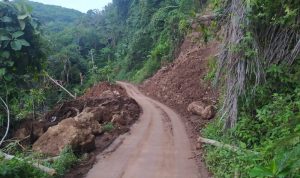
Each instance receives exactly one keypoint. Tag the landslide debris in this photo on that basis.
(200, 109)
(78, 132)
(182, 82)
(79, 123)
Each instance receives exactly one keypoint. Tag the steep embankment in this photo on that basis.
(183, 81)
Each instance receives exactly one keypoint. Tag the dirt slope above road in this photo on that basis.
(156, 147)
(182, 82)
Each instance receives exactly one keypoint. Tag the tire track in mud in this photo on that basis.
(156, 147)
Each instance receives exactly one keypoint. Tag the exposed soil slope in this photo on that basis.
(182, 82)
(156, 147)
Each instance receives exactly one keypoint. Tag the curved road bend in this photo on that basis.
(156, 147)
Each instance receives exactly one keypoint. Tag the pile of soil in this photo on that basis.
(82, 124)
(182, 82)
(99, 89)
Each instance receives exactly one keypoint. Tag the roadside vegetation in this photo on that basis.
(258, 73)
(22, 165)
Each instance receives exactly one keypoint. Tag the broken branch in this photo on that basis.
(54, 81)
(222, 145)
(51, 159)
(8, 121)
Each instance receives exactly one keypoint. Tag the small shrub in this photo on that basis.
(18, 169)
(66, 160)
(108, 127)
(212, 68)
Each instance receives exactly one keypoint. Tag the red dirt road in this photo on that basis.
(156, 147)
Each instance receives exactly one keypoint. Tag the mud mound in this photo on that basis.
(102, 88)
(182, 82)
(111, 108)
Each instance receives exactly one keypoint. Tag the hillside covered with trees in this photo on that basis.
(256, 72)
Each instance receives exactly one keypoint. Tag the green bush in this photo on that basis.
(66, 160)
(18, 169)
(212, 68)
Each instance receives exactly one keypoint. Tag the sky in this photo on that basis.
(81, 5)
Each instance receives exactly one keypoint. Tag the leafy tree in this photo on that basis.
(22, 57)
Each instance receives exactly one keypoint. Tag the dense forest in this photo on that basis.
(127, 40)
(257, 71)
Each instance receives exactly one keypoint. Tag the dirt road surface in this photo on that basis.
(156, 147)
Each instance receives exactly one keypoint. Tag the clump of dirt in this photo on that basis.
(103, 87)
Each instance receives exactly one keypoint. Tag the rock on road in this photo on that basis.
(156, 147)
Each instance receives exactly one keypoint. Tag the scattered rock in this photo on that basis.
(108, 94)
(117, 118)
(199, 108)
(209, 112)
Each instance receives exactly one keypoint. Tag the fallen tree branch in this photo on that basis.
(218, 144)
(51, 159)
(54, 81)
(49, 171)
(8, 121)
(223, 145)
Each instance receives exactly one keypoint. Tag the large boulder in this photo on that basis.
(78, 132)
(206, 112)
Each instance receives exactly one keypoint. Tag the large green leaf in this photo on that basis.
(6, 19)
(5, 54)
(17, 34)
(9, 63)
(2, 71)
(22, 17)
(8, 77)
(22, 24)
(16, 45)
(260, 172)
(23, 42)
(34, 23)
(3, 31)
(4, 44)
(5, 38)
